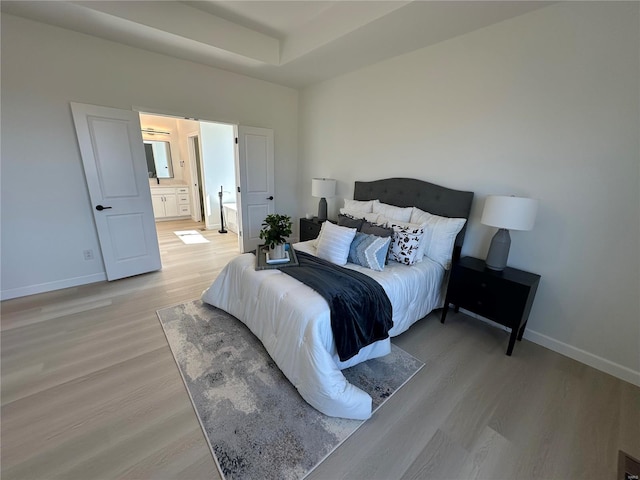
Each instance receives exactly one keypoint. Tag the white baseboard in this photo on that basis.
(575, 353)
(50, 286)
(582, 356)
(171, 219)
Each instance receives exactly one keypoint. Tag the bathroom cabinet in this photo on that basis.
(170, 202)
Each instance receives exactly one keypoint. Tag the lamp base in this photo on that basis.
(499, 250)
(322, 209)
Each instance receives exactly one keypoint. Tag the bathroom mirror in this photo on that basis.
(159, 163)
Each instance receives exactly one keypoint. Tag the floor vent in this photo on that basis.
(628, 467)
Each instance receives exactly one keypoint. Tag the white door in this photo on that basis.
(116, 170)
(256, 180)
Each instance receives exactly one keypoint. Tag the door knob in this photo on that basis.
(100, 208)
(270, 198)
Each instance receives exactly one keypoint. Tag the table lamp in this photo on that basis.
(323, 188)
(506, 213)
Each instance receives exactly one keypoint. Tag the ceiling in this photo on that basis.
(293, 43)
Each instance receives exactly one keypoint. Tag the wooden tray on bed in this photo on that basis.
(261, 258)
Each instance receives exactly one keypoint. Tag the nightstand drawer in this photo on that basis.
(474, 293)
(501, 301)
(492, 297)
(309, 229)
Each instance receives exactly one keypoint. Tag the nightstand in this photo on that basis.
(309, 228)
(504, 297)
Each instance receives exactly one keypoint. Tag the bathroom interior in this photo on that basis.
(191, 168)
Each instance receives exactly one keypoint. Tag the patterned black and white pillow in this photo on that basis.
(406, 241)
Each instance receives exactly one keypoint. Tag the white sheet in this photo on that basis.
(293, 322)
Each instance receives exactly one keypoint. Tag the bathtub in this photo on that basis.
(230, 216)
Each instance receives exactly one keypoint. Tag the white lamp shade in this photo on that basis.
(511, 213)
(323, 187)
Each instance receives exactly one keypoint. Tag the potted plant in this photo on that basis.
(275, 229)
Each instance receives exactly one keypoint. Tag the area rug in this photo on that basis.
(191, 236)
(256, 423)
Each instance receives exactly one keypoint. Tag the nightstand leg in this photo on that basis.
(445, 309)
(521, 332)
(512, 341)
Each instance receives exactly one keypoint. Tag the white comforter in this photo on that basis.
(293, 322)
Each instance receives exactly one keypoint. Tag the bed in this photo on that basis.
(294, 323)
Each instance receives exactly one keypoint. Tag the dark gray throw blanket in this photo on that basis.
(360, 309)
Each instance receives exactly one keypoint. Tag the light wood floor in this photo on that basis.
(90, 391)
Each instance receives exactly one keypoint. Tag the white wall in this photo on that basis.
(47, 218)
(218, 158)
(544, 105)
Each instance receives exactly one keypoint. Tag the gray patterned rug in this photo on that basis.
(256, 423)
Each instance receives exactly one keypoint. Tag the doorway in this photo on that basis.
(203, 160)
(229, 156)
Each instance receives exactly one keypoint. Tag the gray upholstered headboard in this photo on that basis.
(409, 192)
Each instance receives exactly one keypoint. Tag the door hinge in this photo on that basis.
(236, 140)
(238, 189)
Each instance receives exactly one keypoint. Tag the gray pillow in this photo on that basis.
(375, 229)
(349, 221)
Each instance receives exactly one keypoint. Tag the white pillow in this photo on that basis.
(375, 218)
(406, 241)
(370, 217)
(317, 239)
(440, 235)
(400, 214)
(334, 243)
(358, 205)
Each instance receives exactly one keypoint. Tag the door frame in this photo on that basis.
(199, 192)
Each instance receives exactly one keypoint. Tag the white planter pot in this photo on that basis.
(277, 251)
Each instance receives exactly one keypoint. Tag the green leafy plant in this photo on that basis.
(275, 229)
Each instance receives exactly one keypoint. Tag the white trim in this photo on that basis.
(599, 363)
(164, 113)
(51, 286)
(607, 366)
(169, 219)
